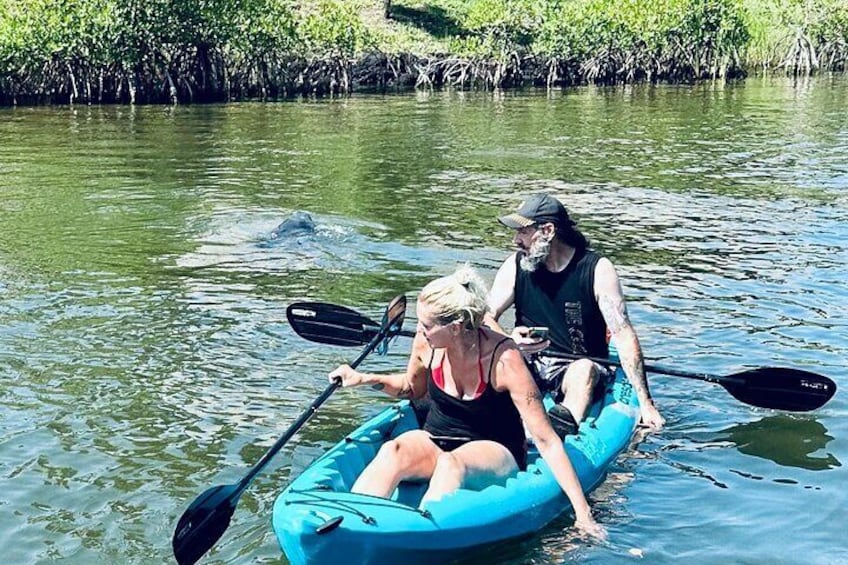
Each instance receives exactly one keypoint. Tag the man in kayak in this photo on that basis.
(555, 281)
(480, 391)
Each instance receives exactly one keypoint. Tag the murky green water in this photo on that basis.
(145, 355)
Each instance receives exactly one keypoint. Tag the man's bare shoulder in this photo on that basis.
(605, 272)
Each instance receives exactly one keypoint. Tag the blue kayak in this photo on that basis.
(318, 520)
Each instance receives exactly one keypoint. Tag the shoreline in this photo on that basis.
(374, 73)
(117, 52)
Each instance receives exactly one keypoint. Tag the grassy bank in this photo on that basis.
(208, 50)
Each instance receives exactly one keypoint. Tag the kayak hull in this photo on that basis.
(317, 519)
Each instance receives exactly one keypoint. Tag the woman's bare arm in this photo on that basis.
(410, 384)
(512, 375)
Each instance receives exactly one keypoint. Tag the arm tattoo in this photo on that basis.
(633, 364)
(533, 397)
(405, 391)
(378, 386)
(614, 312)
(636, 367)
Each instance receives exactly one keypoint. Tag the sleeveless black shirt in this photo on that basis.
(565, 303)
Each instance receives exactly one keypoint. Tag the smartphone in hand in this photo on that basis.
(538, 332)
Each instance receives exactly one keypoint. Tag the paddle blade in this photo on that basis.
(392, 323)
(395, 312)
(330, 323)
(203, 523)
(780, 388)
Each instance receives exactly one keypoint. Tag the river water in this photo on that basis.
(145, 355)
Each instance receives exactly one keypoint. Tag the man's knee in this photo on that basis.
(581, 366)
(582, 373)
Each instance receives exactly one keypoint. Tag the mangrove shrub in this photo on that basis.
(207, 50)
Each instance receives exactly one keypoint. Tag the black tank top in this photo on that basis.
(565, 303)
(489, 416)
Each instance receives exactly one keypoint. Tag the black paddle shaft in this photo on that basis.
(766, 387)
(208, 517)
(778, 388)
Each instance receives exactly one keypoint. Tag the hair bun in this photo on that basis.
(468, 278)
(467, 305)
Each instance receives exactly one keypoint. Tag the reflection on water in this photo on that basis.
(144, 352)
(789, 441)
(559, 541)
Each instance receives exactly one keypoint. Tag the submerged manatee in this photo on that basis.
(333, 244)
(300, 223)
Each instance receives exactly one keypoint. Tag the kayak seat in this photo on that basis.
(330, 479)
(410, 493)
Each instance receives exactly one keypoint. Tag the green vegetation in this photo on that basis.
(207, 50)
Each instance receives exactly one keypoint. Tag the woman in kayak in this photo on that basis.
(480, 392)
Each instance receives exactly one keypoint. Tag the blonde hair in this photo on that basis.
(460, 297)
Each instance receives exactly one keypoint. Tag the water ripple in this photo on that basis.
(146, 356)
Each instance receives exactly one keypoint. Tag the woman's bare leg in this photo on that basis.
(412, 455)
(474, 465)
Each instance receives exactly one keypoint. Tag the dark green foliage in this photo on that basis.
(173, 50)
(604, 41)
(828, 33)
(206, 50)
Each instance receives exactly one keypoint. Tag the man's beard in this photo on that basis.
(536, 255)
